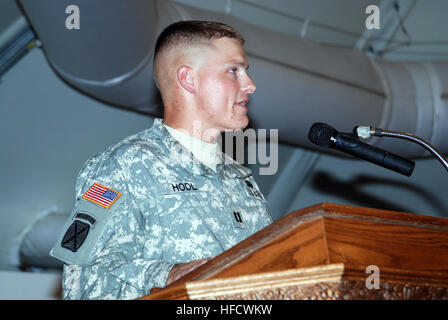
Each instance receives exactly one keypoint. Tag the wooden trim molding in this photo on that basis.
(326, 282)
(264, 282)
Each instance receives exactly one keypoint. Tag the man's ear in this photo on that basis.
(185, 78)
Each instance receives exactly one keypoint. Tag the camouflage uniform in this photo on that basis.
(172, 209)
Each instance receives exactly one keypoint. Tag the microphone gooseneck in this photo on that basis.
(366, 132)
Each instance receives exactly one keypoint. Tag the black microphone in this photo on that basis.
(326, 136)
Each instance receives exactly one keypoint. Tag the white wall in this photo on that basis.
(16, 285)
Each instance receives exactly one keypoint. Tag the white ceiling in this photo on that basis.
(334, 22)
(342, 22)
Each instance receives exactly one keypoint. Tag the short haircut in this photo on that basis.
(192, 32)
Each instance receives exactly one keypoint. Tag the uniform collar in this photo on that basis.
(207, 153)
(226, 167)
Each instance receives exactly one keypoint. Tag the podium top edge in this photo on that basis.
(325, 209)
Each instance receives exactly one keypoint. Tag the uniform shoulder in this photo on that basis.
(129, 148)
(118, 161)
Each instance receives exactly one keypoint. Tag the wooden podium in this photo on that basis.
(328, 251)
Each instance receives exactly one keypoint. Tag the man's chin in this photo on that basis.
(246, 123)
(240, 125)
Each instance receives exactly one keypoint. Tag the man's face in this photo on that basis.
(223, 86)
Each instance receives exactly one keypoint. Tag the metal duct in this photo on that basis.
(299, 82)
(37, 241)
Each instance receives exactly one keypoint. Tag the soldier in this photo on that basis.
(163, 201)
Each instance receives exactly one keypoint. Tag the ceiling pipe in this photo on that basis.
(299, 82)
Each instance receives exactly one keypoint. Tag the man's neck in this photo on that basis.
(195, 129)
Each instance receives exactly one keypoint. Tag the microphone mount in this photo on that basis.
(366, 132)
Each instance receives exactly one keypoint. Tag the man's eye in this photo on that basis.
(233, 70)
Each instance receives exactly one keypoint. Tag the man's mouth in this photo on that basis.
(243, 103)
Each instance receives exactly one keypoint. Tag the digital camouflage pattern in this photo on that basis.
(173, 209)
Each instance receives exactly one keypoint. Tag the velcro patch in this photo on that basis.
(101, 195)
(75, 236)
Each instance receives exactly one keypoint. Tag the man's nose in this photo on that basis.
(249, 86)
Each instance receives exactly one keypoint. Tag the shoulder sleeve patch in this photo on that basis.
(75, 235)
(101, 195)
(83, 230)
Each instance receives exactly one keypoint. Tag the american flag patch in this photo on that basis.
(101, 195)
